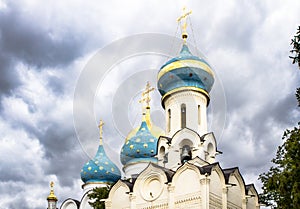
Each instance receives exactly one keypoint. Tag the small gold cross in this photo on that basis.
(184, 25)
(146, 95)
(100, 126)
(51, 185)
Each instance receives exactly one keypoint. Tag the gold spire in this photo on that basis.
(52, 196)
(184, 24)
(100, 126)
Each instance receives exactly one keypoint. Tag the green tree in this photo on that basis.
(296, 48)
(96, 196)
(281, 184)
(296, 57)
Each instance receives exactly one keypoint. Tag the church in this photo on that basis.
(173, 168)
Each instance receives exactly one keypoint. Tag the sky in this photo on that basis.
(50, 105)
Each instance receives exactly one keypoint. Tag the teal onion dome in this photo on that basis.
(185, 71)
(141, 147)
(100, 169)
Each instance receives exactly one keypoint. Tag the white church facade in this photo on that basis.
(174, 168)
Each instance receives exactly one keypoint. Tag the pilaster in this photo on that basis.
(205, 192)
(132, 199)
(171, 200)
(244, 203)
(224, 197)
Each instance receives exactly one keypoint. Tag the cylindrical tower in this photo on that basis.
(184, 83)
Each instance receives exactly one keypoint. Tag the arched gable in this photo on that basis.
(184, 145)
(70, 204)
(84, 203)
(217, 180)
(150, 184)
(252, 197)
(236, 189)
(186, 133)
(162, 149)
(209, 147)
(186, 180)
(118, 196)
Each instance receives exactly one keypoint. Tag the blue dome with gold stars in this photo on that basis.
(185, 71)
(100, 169)
(141, 147)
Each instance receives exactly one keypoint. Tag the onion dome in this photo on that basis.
(52, 196)
(141, 147)
(100, 168)
(185, 71)
(141, 143)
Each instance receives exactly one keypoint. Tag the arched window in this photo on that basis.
(186, 153)
(169, 120)
(199, 114)
(162, 151)
(183, 116)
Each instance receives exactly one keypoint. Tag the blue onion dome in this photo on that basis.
(141, 143)
(141, 147)
(100, 169)
(185, 71)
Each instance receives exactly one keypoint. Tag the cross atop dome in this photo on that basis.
(146, 95)
(52, 195)
(100, 126)
(184, 24)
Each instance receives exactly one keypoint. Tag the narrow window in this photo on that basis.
(199, 115)
(183, 116)
(169, 120)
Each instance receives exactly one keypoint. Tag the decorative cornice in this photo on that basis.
(185, 63)
(183, 89)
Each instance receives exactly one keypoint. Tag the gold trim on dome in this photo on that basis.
(184, 63)
(192, 88)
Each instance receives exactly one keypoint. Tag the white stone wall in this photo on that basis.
(188, 189)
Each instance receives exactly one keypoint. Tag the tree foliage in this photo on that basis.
(96, 196)
(296, 48)
(281, 184)
(296, 56)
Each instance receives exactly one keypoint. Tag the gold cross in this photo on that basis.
(51, 185)
(145, 95)
(100, 126)
(183, 17)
